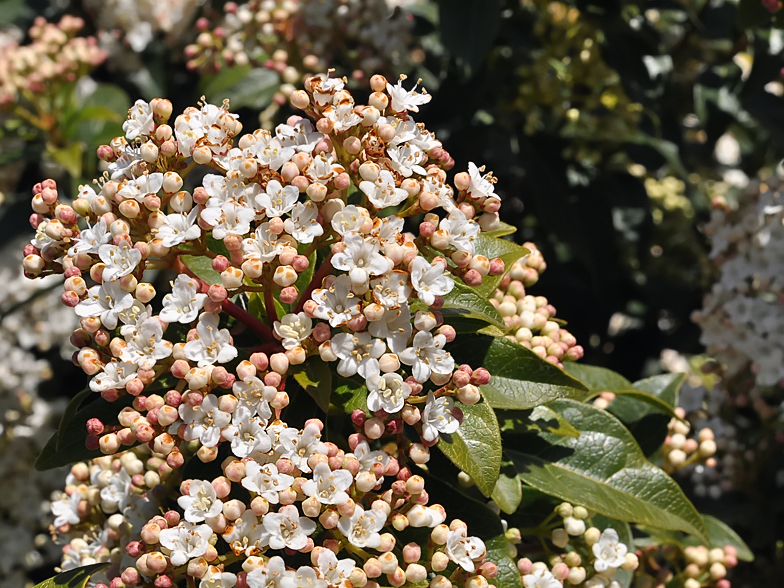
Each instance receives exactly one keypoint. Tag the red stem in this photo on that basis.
(269, 304)
(322, 272)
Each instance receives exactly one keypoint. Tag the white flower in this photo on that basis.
(186, 541)
(407, 159)
(429, 280)
(254, 394)
(246, 534)
(323, 168)
(336, 572)
(361, 259)
(387, 230)
(336, 304)
(387, 392)
(272, 575)
(178, 228)
(327, 486)
(293, 329)
(443, 191)
(463, 550)
(246, 434)
(358, 353)
(205, 420)
(287, 529)
(349, 220)
(138, 188)
(427, 355)
(122, 166)
(303, 225)
(383, 192)
(210, 126)
(139, 121)
(342, 115)
(145, 344)
(325, 87)
(118, 490)
(301, 136)
(481, 185)
(298, 445)
(106, 301)
(609, 552)
(437, 417)
(120, 260)
(403, 99)
(392, 289)
(184, 302)
(201, 502)
(306, 577)
(66, 510)
(211, 344)
(214, 578)
(462, 231)
(265, 481)
(230, 218)
(115, 375)
(269, 151)
(361, 529)
(277, 200)
(541, 579)
(263, 245)
(395, 327)
(368, 458)
(91, 239)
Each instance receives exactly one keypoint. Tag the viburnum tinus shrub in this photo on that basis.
(312, 360)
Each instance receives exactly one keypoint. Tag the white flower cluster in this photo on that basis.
(742, 319)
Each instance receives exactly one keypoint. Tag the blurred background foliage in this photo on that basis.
(614, 126)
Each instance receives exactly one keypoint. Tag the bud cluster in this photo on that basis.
(54, 57)
(680, 451)
(299, 38)
(690, 567)
(528, 319)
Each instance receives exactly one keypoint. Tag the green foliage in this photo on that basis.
(76, 578)
(316, 378)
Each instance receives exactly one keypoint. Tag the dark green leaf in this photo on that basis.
(349, 394)
(552, 422)
(463, 302)
(598, 379)
(498, 553)
(508, 491)
(75, 578)
(605, 471)
(214, 86)
(492, 247)
(253, 90)
(70, 158)
(721, 535)
(69, 412)
(476, 446)
(521, 379)
(315, 377)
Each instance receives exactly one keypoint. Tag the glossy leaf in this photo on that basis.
(605, 471)
(315, 377)
(498, 553)
(721, 535)
(503, 230)
(349, 394)
(69, 412)
(75, 578)
(508, 491)
(597, 379)
(464, 303)
(521, 379)
(202, 267)
(551, 421)
(476, 446)
(492, 247)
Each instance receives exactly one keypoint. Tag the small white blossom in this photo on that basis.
(481, 185)
(395, 327)
(407, 159)
(263, 245)
(368, 458)
(265, 481)
(215, 578)
(120, 260)
(334, 571)
(140, 187)
(429, 280)
(256, 395)
(361, 529)
(91, 239)
(387, 392)
(105, 301)
(246, 534)
(139, 121)
(358, 353)
(66, 510)
(146, 344)
(541, 578)
(300, 136)
(336, 304)
(342, 115)
(272, 575)
(277, 200)
(403, 99)
(115, 375)
(293, 329)
(427, 355)
(361, 259)
(231, 218)
(118, 490)
(186, 541)
(246, 434)
(211, 345)
(325, 87)
(287, 529)
(178, 228)
(298, 445)
(609, 551)
(201, 502)
(383, 192)
(464, 550)
(462, 231)
(302, 225)
(327, 486)
(184, 302)
(392, 290)
(437, 417)
(204, 421)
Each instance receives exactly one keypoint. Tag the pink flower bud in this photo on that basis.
(220, 263)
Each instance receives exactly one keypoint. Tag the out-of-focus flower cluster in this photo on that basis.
(568, 86)
(690, 567)
(300, 37)
(742, 319)
(138, 21)
(184, 386)
(31, 324)
(32, 76)
(527, 318)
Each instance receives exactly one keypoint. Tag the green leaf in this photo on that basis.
(70, 158)
(349, 394)
(69, 412)
(502, 231)
(597, 379)
(721, 535)
(214, 86)
(605, 471)
(649, 399)
(476, 446)
(560, 425)
(601, 522)
(315, 377)
(521, 379)
(492, 247)
(253, 90)
(66, 446)
(498, 553)
(468, 28)
(508, 491)
(463, 302)
(75, 578)
(202, 267)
